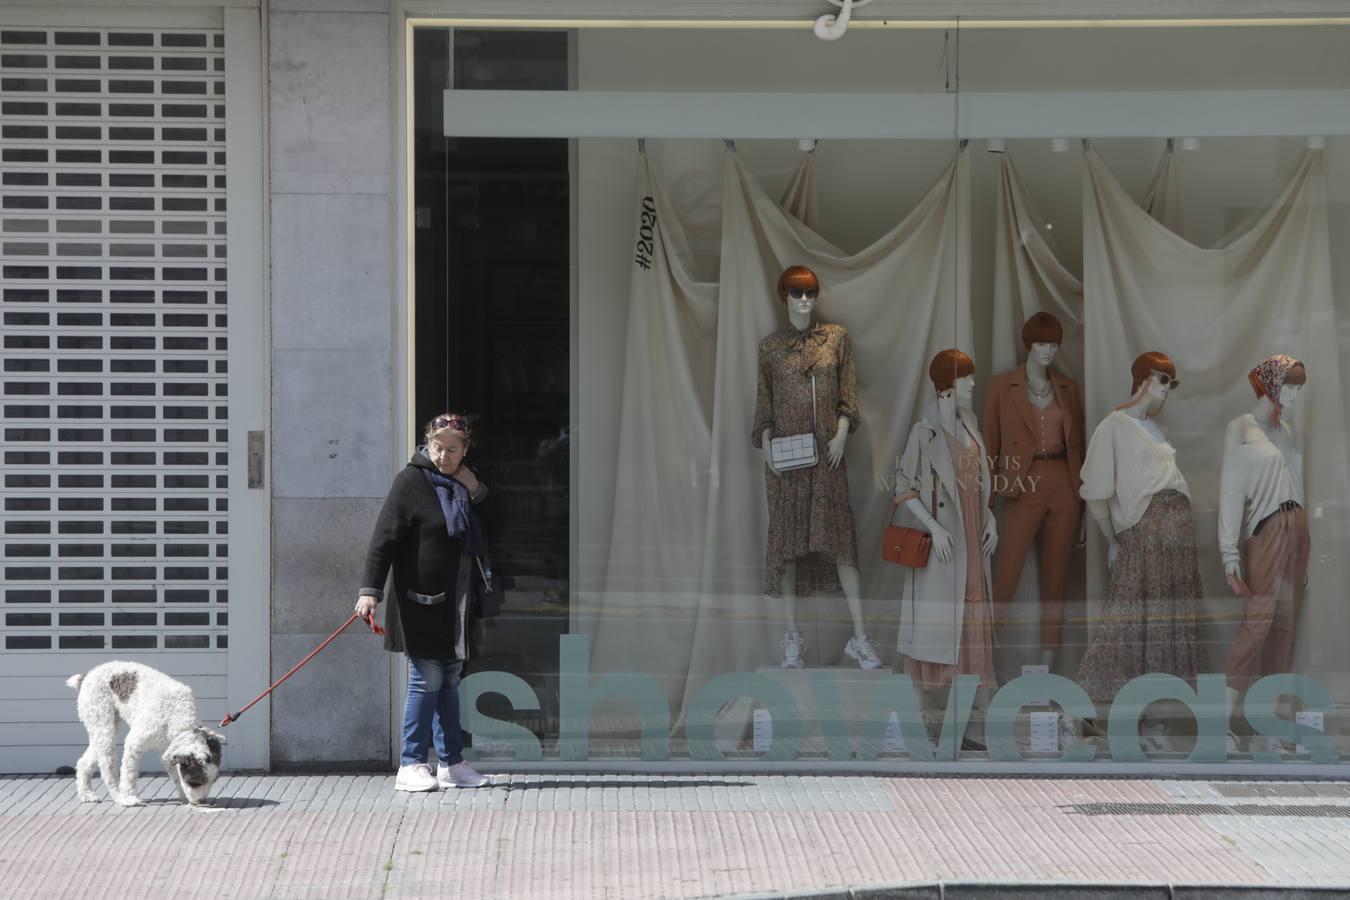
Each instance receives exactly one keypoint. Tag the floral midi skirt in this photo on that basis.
(1150, 621)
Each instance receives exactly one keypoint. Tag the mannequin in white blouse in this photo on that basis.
(1238, 489)
(1146, 403)
(1278, 435)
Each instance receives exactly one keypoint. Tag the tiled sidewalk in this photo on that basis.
(575, 836)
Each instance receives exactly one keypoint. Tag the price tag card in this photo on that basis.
(763, 734)
(1045, 732)
(1037, 670)
(1312, 720)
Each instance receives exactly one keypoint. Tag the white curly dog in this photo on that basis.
(160, 714)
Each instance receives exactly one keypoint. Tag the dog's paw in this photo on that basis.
(88, 797)
(129, 800)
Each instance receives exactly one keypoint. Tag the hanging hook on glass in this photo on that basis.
(832, 28)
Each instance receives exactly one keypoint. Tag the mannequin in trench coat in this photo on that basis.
(930, 613)
(946, 623)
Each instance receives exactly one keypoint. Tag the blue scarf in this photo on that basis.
(461, 522)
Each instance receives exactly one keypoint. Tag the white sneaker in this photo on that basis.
(1234, 748)
(861, 649)
(793, 650)
(460, 775)
(416, 777)
(1264, 743)
(1156, 740)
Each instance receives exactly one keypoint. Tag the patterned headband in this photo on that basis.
(1270, 376)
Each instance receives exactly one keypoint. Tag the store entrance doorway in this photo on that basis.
(492, 329)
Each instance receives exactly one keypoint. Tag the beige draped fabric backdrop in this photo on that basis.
(643, 619)
(1218, 312)
(902, 299)
(1163, 200)
(1029, 278)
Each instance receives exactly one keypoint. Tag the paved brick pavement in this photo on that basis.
(634, 836)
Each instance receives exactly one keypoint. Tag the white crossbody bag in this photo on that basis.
(796, 451)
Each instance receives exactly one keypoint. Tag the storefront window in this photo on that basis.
(1012, 432)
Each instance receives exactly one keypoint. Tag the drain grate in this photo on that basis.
(1309, 811)
(1239, 790)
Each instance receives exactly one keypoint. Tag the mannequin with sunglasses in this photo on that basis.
(1141, 503)
(808, 386)
(1263, 531)
(1033, 429)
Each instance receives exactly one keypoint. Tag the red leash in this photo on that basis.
(234, 717)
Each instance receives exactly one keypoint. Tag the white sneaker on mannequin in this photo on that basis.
(1156, 739)
(1234, 748)
(861, 650)
(794, 648)
(1264, 743)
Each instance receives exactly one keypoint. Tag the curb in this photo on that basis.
(1033, 890)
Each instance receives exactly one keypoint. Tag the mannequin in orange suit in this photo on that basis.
(1033, 430)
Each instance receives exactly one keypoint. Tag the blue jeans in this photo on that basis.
(432, 709)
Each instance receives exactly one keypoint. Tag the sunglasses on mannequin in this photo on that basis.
(1166, 380)
(803, 293)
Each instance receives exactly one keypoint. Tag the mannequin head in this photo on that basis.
(953, 375)
(798, 290)
(1279, 380)
(1041, 336)
(1154, 377)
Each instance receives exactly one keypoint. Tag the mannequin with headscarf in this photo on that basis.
(944, 486)
(1263, 529)
(1033, 430)
(808, 385)
(1149, 621)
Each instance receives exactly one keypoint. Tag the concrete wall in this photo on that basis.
(332, 368)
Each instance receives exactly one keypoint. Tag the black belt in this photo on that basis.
(1048, 456)
(1286, 506)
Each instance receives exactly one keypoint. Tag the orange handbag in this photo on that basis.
(906, 546)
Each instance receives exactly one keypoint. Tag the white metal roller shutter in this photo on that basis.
(115, 405)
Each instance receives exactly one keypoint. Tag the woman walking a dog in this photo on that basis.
(430, 534)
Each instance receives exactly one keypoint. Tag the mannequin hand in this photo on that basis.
(942, 543)
(834, 450)
(990, 538)
(365, 606)
(1112, 551)
(1234, 572)
(768, 460)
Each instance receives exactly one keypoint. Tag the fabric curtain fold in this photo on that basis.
(643, 619)
(1216, 313)
(1163, 200)
(1029, 278)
